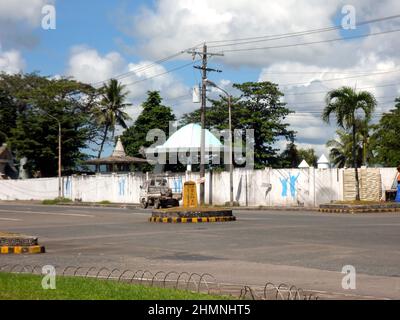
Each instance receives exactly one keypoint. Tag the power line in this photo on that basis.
(312, 42)
(160, 74)
(139, 69)
(326, 91)
(343, 78)
(318, 101)
(294, 34)
(299, 33)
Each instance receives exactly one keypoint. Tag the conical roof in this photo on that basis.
(304, 164)
(119, 150)
(189, 137)
(323, 160)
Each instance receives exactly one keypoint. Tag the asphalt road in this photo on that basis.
(307, 249)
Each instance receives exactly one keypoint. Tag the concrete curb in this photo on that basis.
(22, 249)
(192, 220)
(349, 210)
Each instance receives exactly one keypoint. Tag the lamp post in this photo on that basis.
(212, 84)
(59, 153)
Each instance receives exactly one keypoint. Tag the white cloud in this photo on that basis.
(18, 18)
(29, 11)
(172, 25)
(11, 62)
(88, 65)
(168, 26)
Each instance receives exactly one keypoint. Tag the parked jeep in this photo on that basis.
(156, 192)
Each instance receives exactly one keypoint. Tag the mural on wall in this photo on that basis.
(292, 185)
(67, 187)
(268, 187)
(284, 186)
(121, 186)
(176, 185)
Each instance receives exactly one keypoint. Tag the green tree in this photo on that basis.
(341, 150)
(8, 115)
(154, 115)
(35, 134)
(258, 107)
(345, 103)
(290, 157)
(111, 110)
(386, 138)
(308, 155)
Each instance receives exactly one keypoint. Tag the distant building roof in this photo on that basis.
(323, 159)
(304, 164)
(118, 157)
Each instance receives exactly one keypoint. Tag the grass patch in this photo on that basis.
(56, 201)
(28, 287)
(105, 202)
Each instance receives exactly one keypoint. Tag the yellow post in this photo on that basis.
(189, 195)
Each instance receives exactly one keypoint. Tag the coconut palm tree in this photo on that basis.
(345, 103)
(111, 110)
(341, 150)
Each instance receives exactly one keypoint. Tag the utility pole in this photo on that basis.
(204, 56)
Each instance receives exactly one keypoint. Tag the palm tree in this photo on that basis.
(341, 150)
(111, 111)
(345, 103)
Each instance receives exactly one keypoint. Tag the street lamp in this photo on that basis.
(59, 152)
(212, 84)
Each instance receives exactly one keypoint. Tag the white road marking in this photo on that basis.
(49, 213)
(9, 219)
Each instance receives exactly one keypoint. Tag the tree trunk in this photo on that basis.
(355, 163)
(101, 146)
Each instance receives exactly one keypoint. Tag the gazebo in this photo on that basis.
(118, 161)
(186, 142)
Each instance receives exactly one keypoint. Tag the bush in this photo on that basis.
(56, 201)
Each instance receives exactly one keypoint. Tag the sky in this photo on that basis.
(96, 40)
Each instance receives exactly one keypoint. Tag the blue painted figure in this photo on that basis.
(121, 186)
(398, 185)
(293, 180)
(284, 186)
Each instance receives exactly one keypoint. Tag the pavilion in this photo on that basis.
(185, 143)
(118, 161)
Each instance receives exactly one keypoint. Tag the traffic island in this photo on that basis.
(192, 215)
(358, 207)
(19, 244)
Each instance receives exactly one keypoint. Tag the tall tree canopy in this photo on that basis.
(386, 138)
(34, 134)
(153, 116)
(257, 107)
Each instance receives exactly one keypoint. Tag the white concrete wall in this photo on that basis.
(268, 187)
(29, 189)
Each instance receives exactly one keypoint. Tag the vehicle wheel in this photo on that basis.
(144, 204)
(156, 204)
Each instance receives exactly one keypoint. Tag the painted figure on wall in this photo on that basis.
(292, 185)
(284, 186)
(293, 180)
(121, 186)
